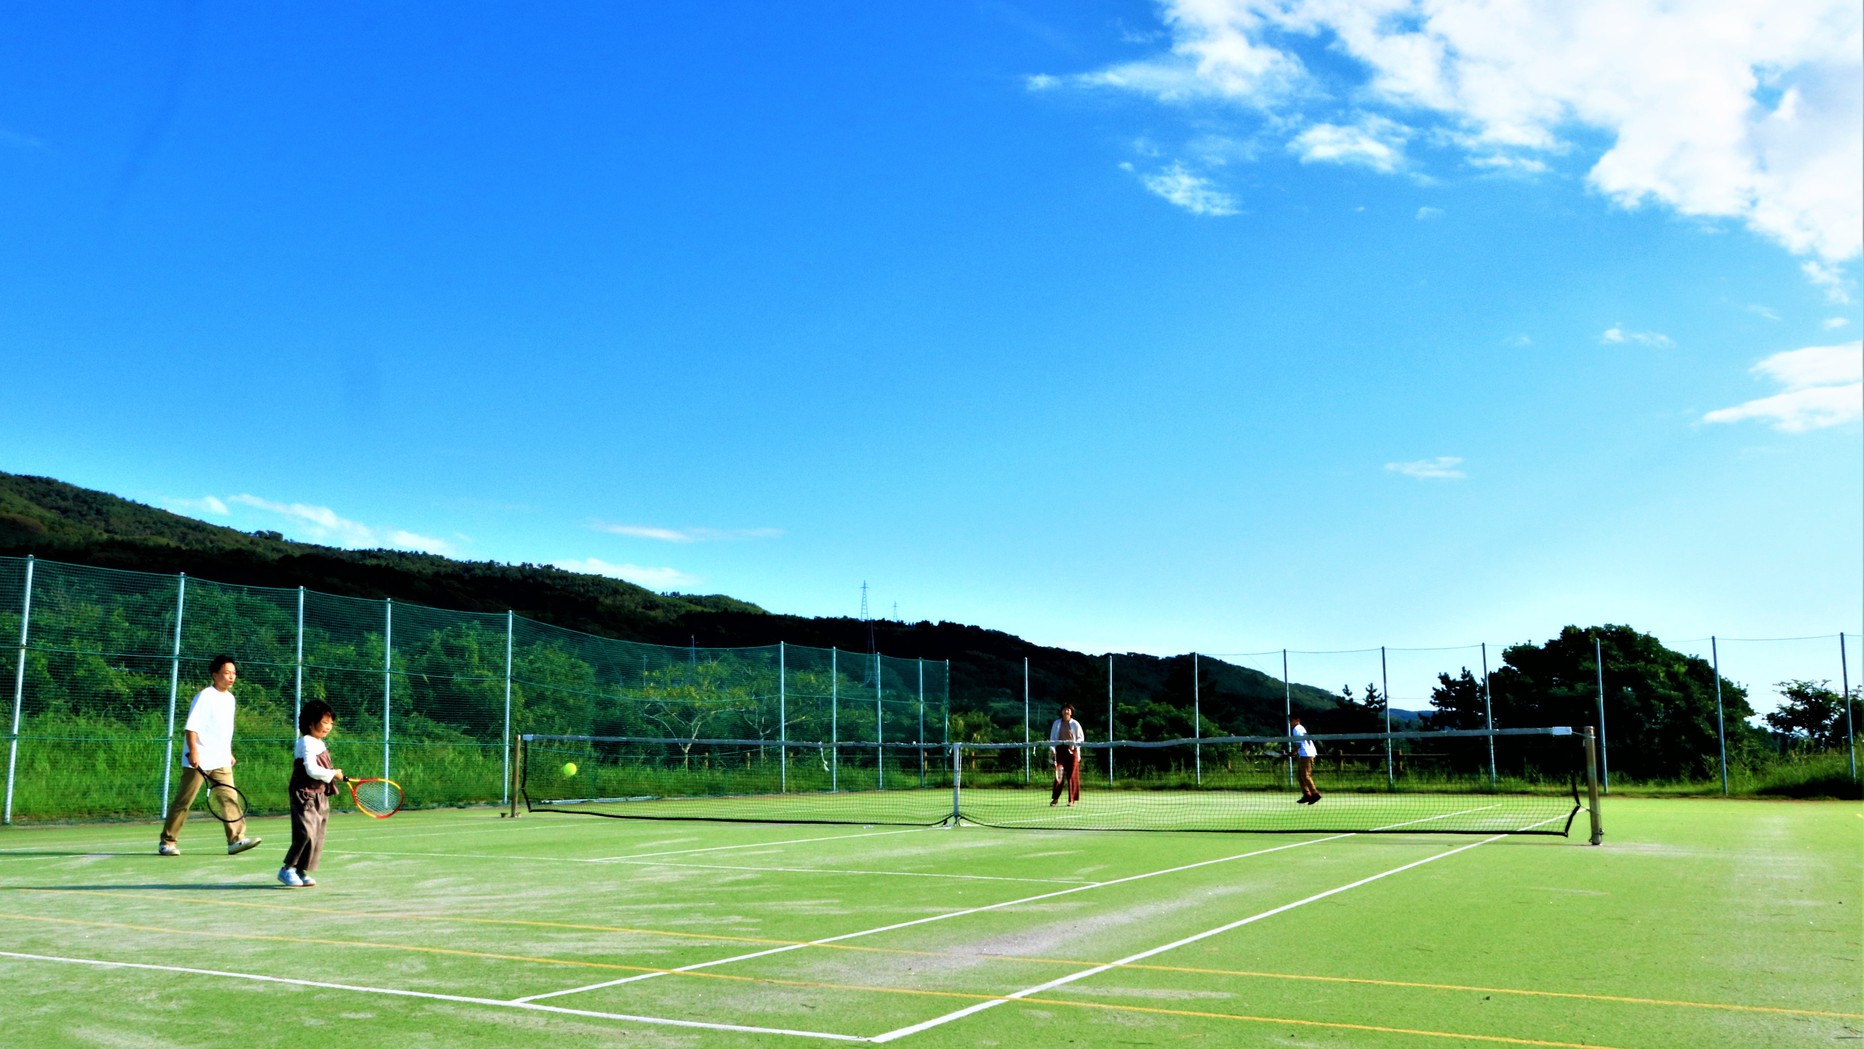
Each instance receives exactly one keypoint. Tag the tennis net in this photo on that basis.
(1519, 781)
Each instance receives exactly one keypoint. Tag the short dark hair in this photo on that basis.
(311, 713)
(220, 661)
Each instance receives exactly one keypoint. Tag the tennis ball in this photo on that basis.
(569, 769)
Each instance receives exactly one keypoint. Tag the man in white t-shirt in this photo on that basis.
(208, 755)
(1304, 753)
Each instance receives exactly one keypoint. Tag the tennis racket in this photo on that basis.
(224, 801)
(380, 798)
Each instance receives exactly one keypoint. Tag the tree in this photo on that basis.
(1660, 704)
(1815, 714)
(1460, 703)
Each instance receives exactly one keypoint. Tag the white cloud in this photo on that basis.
(1374, 142)
(1831, 278)
(1750, 110)
(686, 535)
(1822, 386)
(1193, 193)
(1763, 311)
(1426, 213)
(1834, 323)
(652, 578)
(307, 523)
(204, 505)
(1441, 468)
(1617, 334)
(1519, 341)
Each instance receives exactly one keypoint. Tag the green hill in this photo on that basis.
(48, 518)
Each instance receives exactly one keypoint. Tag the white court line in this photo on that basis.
(933, 918)
(435, 996)
(480, 857)
(1142, 955)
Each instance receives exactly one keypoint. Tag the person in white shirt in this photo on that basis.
(314, 779)
(1065, 737)
(1304, 752)
(207, 756)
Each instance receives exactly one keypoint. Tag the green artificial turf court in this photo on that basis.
(1701, 923)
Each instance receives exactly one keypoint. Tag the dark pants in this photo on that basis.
(1067, 775)
(310, 815)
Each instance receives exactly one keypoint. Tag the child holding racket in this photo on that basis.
(313, 780)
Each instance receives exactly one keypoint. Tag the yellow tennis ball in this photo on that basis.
(569, 769)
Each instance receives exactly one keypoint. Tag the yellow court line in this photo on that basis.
(1028, 959)
(1496, 1038)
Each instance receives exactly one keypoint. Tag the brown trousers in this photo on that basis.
(310, 816)
(191, 781)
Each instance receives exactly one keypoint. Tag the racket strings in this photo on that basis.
(378, 797)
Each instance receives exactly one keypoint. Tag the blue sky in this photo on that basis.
(1120, 326)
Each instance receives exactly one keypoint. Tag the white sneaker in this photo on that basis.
(242, 845)
(167, 848)
(289, 876)
(305, 879)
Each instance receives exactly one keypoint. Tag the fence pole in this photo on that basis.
(1385, 682)
(19, 692)
(1721, 729)
(834, 728)
(922, 721)
(1844, 682)
(1488, 712)
(174, 686)
(510, 629)
(1287, 699)
(388, 673)
(1605, 768)
(1592, 789)
(1197, 722)
(783, 723)
(1109, 722)
(1026, 737)
(880, 733)
(297, 663)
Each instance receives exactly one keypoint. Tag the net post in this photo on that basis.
(1592, 786)
(834, 727)
(783, 724)
(1026, 737)
(1197, 723)
(1721, 727)
(957, 775)
(1844, 682)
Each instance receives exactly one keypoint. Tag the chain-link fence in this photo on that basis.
(100, 666)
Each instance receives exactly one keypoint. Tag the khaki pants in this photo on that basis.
(191, 780)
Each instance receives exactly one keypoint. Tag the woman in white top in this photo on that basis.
(1065, 737)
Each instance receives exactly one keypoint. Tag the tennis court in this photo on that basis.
(1704, 923)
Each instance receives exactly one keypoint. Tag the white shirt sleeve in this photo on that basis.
(306, 751)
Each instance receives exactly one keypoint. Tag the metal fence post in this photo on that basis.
(783, 725)
(1197, 721)
(1385, 682)
(1488, 712)
(19, 691)
(510, 629)
(1109, 722)
(174, 686)
(880, 732)
(922, 721)
(298, 662)
(1844, 682)
(1287, 699)
(388, 673)
(1026, 737)
(1598, 664)
(834, 726)
(1721, 728)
